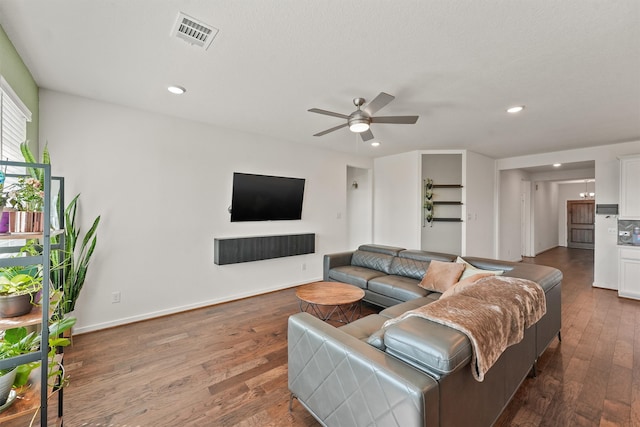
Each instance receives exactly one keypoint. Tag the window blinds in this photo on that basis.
(13, 123)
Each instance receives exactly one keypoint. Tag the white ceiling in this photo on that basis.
(575, 64)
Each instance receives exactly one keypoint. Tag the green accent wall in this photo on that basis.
(16, 73)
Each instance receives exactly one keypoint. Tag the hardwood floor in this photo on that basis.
(226, 365)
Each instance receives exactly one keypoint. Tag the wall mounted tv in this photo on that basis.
(266, 198)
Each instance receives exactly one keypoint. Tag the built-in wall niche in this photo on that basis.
(442, 201)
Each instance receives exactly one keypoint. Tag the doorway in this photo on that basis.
(580, 224)
(359, 206)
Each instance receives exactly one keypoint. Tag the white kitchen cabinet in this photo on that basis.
(629, 272)
(630, 187)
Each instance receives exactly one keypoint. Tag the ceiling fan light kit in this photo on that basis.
(360, 120)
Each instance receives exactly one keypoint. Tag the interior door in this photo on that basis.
(580, 223)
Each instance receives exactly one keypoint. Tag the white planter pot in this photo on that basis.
(6, 383)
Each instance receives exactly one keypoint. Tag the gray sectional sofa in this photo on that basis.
(416, 372)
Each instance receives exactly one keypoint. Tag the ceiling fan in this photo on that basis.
(360, 120)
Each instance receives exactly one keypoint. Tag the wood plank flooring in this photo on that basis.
(226, 365)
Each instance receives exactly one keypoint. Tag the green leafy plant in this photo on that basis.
(26, 195)
(76, 259)
(29, 157)
(20, 280)
(19, 284)
(17, 341)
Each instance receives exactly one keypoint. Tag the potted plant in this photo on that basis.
(26, 199)
(17, 341)
(19, 289)
(20, 285)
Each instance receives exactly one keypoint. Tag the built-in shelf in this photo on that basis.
(429, 202)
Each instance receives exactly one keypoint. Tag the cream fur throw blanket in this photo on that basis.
(493, 312)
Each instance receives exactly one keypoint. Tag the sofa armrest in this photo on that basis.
(335, 376)
(335, 260)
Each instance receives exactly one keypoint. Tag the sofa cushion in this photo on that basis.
(441, 275)
(429, 346)
(397, 287)
(357, 276)
(409, 267)
(364, 327)
(372, 260)
(471, 270)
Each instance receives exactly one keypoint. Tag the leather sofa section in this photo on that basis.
(409, 267)
(431, 347)
(372, 260)
(399, 309)
(426, 255)
(546, 277)
(353, 275)
(364, 327)
(343, 381)
(398, 287)
(379, 299)
(547, 328)
(382, 249)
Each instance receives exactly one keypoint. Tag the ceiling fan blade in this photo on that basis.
(328, 113)
(400, 120)
(366, 135)
(324, 132)
(378, 102)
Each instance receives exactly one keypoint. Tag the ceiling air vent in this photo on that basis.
(193, 31)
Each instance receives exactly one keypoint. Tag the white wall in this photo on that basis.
(479, 205)
(163, 186)
(545, 211)
(396, 200)
(359, 206)
(607, 192)
(509, 218)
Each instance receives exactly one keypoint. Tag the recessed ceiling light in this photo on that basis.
(557, 165)
(515, 109)
(375, 144)
(178, 90)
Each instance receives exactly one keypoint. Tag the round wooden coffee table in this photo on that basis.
(326, 299)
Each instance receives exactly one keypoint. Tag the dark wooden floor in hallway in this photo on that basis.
(226, 365)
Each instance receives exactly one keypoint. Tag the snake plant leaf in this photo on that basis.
(77, 258)
(36, 173)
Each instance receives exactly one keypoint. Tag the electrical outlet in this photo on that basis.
(304, 266)
(115, 297)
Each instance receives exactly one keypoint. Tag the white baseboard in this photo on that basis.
(179, 309)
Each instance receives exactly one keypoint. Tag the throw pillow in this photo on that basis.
(470, 270)
(464, 283)
(441, 275)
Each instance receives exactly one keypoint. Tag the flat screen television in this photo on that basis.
(266, 198)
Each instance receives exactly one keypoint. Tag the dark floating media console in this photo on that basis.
(235, 250)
